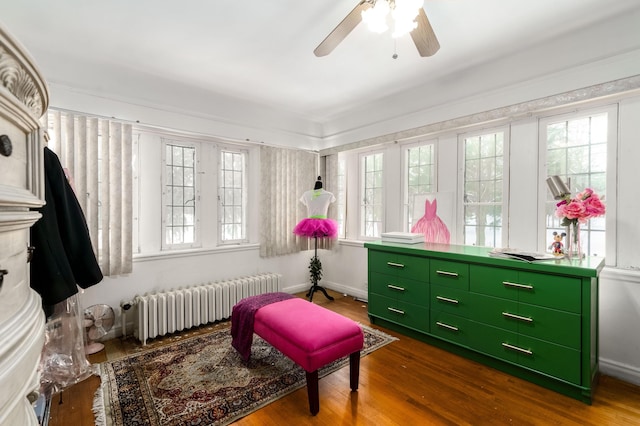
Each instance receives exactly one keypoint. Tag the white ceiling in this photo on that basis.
(262, 51)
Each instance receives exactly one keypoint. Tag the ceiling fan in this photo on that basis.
(423, 36)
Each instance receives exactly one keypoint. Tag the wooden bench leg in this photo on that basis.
(354, 370)
(312, 391)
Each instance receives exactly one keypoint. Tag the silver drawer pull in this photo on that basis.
(397, 311)
(448, 274)
(517, 317)
(517, 349)
(395, 265)
(395, 287)
(447, 326)
(509, 284)
(446, 299)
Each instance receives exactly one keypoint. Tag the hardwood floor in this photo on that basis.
(404, 383)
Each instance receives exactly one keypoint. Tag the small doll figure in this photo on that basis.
(556, 247)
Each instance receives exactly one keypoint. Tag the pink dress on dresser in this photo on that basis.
(433, 228)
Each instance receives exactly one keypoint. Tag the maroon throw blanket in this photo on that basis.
(242, 318)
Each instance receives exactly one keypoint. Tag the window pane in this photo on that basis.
(178, 196)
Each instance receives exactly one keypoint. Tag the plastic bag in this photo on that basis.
(63, 362)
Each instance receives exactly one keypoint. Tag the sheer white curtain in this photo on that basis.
(331, 179)
(97, 155)
(284, 174)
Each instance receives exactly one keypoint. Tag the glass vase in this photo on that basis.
(574, 247)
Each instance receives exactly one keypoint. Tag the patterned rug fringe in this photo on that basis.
(98, 406)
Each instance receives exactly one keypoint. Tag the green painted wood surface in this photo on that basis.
(588, 267)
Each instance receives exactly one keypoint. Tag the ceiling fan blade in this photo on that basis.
(424, 37)
(343, 29)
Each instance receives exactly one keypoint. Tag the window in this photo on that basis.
(341, 197)
(232, 196)
(420, 169)
(179, 195)
(576, 150)
(484, 189)
(372, 207)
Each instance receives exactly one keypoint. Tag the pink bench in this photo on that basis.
(312, 337)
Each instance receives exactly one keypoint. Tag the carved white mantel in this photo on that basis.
(23, 100)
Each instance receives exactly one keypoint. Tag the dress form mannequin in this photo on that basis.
(316, 224)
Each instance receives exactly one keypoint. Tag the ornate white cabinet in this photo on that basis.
(23, 100)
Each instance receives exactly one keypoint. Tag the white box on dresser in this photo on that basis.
(23, 100)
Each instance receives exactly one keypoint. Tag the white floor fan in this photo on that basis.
(98, 320)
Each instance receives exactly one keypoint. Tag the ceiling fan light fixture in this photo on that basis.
(376, 17)
(409, 17)
(404, 15)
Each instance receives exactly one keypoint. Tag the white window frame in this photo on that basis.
(362, 196)
(611, 176)
(504, 240)
(407, 203)
(197, 231)
(244, 189)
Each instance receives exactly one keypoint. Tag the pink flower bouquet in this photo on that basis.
(584, 206)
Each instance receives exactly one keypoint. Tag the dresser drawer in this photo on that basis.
(15, 290)
(452, 300)
(555, 360)
(551, 291)
(546, 324)
(402, 313)
(549, 358)
(451, 327)
(449, 274)
(14, 168)
(407, 290)
(399, 265)
(488, 310)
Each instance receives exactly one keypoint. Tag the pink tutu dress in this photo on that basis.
(317, 225)
(433, 228)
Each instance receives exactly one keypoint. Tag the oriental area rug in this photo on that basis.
(202, 380)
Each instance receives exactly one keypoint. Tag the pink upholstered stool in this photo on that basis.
(312, 337)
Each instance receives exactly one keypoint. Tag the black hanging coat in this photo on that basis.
(63, 256)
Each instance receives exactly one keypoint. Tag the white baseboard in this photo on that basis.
(358, 294)
(298, 288)
(620, 371)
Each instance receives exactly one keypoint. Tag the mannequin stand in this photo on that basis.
(315, 287)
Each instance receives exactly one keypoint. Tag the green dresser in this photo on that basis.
(537, 321)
